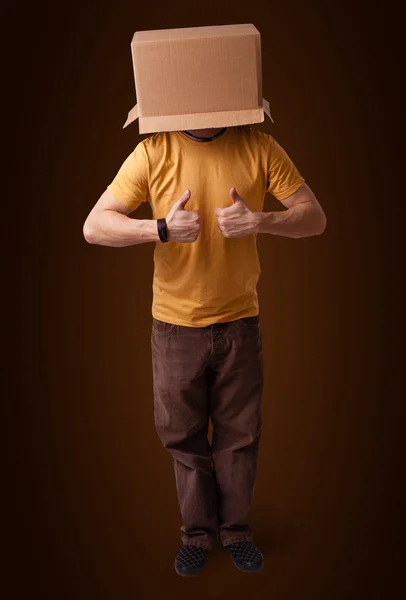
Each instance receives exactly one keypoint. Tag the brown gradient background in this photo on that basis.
(93, 509)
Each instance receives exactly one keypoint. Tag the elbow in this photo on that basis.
(322, 224)
(89, 233)
(316, 225)
(319, 223)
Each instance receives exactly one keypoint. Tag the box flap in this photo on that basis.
(198, 121)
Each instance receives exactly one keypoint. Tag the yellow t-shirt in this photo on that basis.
(213, 279)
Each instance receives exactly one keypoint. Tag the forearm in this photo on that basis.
(302, 220)
(111, 228)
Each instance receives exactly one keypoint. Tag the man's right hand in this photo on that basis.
(183, 225)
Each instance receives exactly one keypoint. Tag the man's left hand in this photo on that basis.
(236, 220)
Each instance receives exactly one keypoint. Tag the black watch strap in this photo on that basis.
(162, 230)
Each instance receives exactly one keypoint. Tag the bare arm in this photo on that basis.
(304, 216)
(108, 224)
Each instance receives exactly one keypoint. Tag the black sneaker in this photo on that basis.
(246, 556)
(190, 560)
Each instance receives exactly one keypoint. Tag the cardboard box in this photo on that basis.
(197, 78)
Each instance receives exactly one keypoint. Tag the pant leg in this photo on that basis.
(181, 412)
(235, 410)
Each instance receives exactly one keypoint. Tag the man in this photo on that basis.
(206, 336)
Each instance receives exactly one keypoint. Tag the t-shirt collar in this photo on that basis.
(208, 139)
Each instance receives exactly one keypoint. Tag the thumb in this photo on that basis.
(234, 195)
(183, 199)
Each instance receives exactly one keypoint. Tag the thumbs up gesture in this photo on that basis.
(183, 225)
(236, 220)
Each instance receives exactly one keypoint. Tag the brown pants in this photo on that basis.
(213, 372)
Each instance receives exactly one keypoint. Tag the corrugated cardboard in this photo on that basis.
(197, 78)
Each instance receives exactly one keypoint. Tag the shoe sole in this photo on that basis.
(189, 571)
(246, 569)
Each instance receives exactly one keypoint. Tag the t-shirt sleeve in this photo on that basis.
(130, 185)
(284, 178)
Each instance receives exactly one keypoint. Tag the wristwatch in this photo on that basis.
(162, 230)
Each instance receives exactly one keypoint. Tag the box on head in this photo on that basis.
(197, 78)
